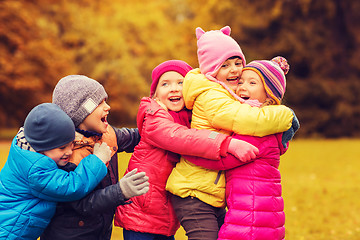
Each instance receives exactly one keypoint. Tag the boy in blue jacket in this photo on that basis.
(31, 183)
(84, 100)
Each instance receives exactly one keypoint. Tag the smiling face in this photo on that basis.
(169, 91)
(251, 87)
(61, 154)
(97, 120)
(230, 72)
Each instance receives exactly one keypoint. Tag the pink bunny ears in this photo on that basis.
(225, 30)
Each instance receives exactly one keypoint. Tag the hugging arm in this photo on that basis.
(224, 163)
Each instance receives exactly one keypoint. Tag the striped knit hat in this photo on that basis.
(272, 73)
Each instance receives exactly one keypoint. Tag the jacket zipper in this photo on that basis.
(217, 177)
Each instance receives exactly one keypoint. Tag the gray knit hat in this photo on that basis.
(47, 127)
(78, 96)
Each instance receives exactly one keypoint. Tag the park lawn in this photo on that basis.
(321, 190)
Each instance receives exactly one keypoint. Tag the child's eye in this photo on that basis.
(165, 84)
(224, 65)
(181, 83)
(239, 64)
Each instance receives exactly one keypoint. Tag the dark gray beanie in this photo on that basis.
(47, 127)
(78, 96)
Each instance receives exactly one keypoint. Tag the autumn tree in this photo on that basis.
(31, 60)
(118, 43)
(320, 39)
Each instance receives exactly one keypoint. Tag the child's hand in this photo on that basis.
(102, 151)
(134, 184)
(289, 134)
(242, 150)
(161, 104)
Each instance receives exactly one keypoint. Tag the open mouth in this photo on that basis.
(233, 79)
(104, 119)
(175, 99)
(245, 98)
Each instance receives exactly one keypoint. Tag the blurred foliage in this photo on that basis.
(119, 42)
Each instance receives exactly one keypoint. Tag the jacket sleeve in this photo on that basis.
(54, 184)
(100, 201)
(223, 112)
(127, 139)
(161, 131)
(283, 148)
(225, 163)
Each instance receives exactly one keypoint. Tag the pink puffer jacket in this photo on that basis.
(153, 212)
(253, 192)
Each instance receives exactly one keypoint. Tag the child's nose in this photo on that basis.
(240, 88)
(175, 87)
(69, 152)
(234, 68)
(107, 107)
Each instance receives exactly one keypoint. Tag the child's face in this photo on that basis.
(251, 87)
(61, 154)
(230, 72)
(97, 120)
(169, 91)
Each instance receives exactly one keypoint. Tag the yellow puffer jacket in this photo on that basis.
(216, 109)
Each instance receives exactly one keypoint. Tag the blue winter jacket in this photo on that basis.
(30, 186)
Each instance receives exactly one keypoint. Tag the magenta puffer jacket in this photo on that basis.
(253, 192)
(153, 212)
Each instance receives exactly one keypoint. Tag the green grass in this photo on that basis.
(321, 189)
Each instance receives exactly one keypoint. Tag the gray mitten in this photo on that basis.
(102, 151)
(134, 184)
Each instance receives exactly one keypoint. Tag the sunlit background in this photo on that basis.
(119, 42)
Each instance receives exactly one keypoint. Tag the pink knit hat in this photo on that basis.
(172, 65)
(214, 48)
(272, 73)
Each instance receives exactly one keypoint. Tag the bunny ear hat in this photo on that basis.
(214, 48)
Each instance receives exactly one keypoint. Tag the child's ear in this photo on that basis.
(226, 30)
(199, 32)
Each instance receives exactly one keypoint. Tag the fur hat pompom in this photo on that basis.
(282, 62)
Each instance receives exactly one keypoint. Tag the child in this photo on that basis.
(151, 216)
(253, 191)
(31, 183)
(83, 99)
(199, 193)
